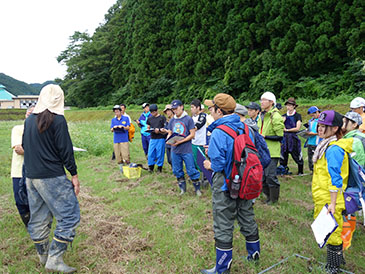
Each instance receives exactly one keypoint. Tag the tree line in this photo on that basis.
(155, 51)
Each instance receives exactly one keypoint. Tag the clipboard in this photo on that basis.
(200, 161)
(323, 226)
(303, 134)
(174, 138)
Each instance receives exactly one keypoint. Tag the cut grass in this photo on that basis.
(144, 226)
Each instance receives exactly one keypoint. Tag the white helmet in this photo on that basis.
(269, 96)
(357, 102)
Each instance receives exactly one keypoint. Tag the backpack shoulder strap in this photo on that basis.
(361, 138)
(228, 130)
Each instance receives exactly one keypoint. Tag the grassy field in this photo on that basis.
(144, 226)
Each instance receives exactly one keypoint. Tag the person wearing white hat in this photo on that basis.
(357, 105)
(271, 127)
(48, 151)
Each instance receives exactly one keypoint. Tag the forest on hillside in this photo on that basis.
(196, 48)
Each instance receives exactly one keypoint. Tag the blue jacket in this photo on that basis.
(220, 150)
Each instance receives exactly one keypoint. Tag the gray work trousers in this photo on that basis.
(226, 210)
(270, 179)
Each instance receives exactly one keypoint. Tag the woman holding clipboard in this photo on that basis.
(330, 176)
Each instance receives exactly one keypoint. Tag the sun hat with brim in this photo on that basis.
(241, 109)
(291, 101)
(167, 107)
(153, 107)
(313, 109)
(51, 97)
(223, 101)
(354, 117)
(330, 118)
(117, 107)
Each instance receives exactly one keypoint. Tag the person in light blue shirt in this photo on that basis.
(313, 139)
(142, 123)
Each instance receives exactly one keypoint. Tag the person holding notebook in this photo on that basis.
(330, 176)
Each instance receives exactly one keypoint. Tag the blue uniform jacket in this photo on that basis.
(220, 150)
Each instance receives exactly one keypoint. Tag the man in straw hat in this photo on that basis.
(47, 151)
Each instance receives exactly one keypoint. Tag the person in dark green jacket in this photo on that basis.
(271, 127)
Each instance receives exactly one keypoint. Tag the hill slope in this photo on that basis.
(17, 87)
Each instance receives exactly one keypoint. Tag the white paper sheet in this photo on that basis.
(323, 226)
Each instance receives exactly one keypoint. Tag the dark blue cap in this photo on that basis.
(254, 105)
(176, 103)
(153, 107)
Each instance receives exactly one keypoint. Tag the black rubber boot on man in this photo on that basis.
(42, 250)
(274, 195)
(55, 261)
(151, 168)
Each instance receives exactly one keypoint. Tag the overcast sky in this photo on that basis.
(34, 32)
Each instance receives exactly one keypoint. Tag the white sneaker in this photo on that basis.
(198, 193)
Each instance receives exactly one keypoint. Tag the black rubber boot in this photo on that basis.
(151, 168)
(25, 218)
(300, 170)
(334, 258)
(159, 169)
(42, 250)
(274, 195)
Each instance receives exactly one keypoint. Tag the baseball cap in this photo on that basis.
(176, 103)
(117, 107)
(253, 105)
(354, 117)
(145, 105)
(313, 109)
(357, 102)
(153, 107)
(223, 101)
(330, 118)
(241, 109)
(167, 107)
(269, 96)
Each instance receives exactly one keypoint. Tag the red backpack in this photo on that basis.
(245, 163)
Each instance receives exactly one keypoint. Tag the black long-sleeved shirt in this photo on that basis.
(46, 154)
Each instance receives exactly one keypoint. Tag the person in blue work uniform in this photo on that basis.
(142, 123)
(225, 209)
(156, 150)
(120, 126)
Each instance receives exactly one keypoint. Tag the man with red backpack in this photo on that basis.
(226, 208)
